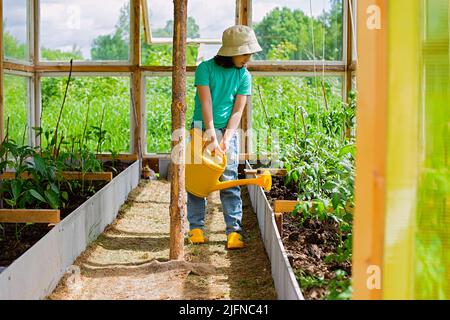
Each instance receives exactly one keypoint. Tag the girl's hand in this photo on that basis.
(224, 145)
(214, 146)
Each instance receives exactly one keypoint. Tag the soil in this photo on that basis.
(130, 259)
(280, 192)
(11, 247)
(307, 245)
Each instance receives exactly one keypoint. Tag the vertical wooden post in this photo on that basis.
(1, 74)
(177, 188)
(279, 222)
(36, 78)
(349, 44)
(136, 78)
(243, 18)
(370, 197)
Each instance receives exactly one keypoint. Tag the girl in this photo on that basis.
(223, 84)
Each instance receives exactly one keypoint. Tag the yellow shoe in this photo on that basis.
(235, 241)
(196, 236)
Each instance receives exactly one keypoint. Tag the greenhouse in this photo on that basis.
(321, 172)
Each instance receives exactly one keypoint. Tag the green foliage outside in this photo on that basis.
(16, 107)
(287, 34)
(159, 118)
(92, 103)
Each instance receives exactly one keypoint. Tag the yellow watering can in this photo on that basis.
(203, 169)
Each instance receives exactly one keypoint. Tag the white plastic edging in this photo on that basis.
(283, 276)
(35, 274)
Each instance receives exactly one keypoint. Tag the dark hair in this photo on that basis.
(225, 62)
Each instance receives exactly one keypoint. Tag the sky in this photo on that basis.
(65, 23)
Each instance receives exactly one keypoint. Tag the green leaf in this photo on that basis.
(54, 188)
(37, 195)
(350, 148)
(11, 202)
(336, 200)
(348, 217)
(65, 195)
(329, 186)
(52, 198)
(39, 165)
(16, 187)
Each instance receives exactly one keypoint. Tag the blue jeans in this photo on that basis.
(230, 198)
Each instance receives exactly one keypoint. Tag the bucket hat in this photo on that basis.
(238, 40)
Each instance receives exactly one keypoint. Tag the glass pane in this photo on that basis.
(437, 20)
(91, 103)
(15, 29)
(16, 108)
(206, 20)
(286, 29)
(85, 30)
(432, 263)
(161, 54)
(278, 104)
(159, 118)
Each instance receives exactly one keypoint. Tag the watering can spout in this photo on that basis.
(203, 171)
(264, 180)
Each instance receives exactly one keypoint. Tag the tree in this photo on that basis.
(116, 46)
(12, 48)
(290, 30)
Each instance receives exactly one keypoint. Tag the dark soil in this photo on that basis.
(307, 245)
(280, 192)
(116, 168)
(12, 247)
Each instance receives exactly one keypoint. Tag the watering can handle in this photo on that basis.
(223, 156)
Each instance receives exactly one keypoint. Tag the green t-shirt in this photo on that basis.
(224, 85)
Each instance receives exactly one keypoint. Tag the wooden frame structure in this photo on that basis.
(36, 69)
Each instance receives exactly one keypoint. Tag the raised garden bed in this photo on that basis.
(313, 245)
(48, 250)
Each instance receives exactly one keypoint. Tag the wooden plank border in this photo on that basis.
(29, 216)
(122, 157)
(286, 206)
(68, 175)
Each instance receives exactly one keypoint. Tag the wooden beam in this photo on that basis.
(348, 75)
(168, 69)
(242, 19)
(146, 19)
(177, 188)
(136, 79)
(370, 184)
(13, 66)
(29, 216)
(43, 68)
(2, 110)
(295, 68)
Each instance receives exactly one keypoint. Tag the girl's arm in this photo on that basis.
(204, 95)
(235, 119)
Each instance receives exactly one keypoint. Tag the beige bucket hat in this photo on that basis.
(238, 40)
